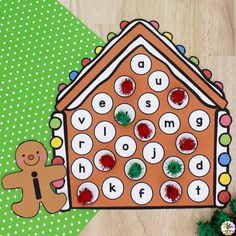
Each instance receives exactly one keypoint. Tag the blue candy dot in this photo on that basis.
(73, 75)
(224, 159)
(181, 49)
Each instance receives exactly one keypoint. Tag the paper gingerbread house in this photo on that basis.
(141, 126)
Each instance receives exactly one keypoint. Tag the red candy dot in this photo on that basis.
(61, 87)
(225, 120)
(85, 62)
(123, 24)
(107, 161)
(219, 85)
(144, 131)
(155, 24)
(85, 196)
(207, 73)
(187, 144)
(57, 160)
(58, 183)
(224, 196)
(172, 192)
(126, 87)
(177, 96)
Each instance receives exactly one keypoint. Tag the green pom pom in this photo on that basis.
(233, 206)
(135, 170)
(123, 118)
(174, 167)
(207, 229)
(219, 217)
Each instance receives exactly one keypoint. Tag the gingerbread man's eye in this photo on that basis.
(23, 155)
(37, 152)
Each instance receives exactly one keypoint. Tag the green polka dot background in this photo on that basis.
(41, 42)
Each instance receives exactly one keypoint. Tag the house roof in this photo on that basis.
(138, 33)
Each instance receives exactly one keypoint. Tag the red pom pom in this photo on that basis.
(207, 73)
(127, 87)
(172, 192)
(187, 144)
(144, 131)
(107, 161)
(177, 96)
(85, 196)
(123, 24)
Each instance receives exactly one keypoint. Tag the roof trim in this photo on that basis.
(137, 28)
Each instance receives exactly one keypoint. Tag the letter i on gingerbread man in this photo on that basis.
(35, 179)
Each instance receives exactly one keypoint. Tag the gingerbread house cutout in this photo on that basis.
(141, 126)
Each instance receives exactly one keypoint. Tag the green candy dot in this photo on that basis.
(225, 139)
(110, 36)
(174, 168)
(55, 123)
(123, 118)
(194, 60)
(135, 171)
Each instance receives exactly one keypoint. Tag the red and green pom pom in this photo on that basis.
(144, 131)
(187, 144)
(178, 96)
(123, 118)
(172, 192)
(85, 196)
(107, 161)
(126, 87)
(174, 168)
(135, 170)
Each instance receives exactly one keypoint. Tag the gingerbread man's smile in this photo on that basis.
(31, 160)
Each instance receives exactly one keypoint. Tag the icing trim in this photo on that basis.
(62, 153)
(219, 150)
(108, 71)
(116, 39)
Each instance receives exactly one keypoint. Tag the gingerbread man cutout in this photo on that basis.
(34, 179)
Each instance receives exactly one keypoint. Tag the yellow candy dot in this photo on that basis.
(168, 35)
(225, 179)
(56, 142)
(98, 49)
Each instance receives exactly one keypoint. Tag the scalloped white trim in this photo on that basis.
(220, 149)
(116, 39)
(62, 153)
(105, 74)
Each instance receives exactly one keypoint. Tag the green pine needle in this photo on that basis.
(174, 167)
(135, 170)
(123, 118)
(233, 206)
(219, 217)
(207, 229)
